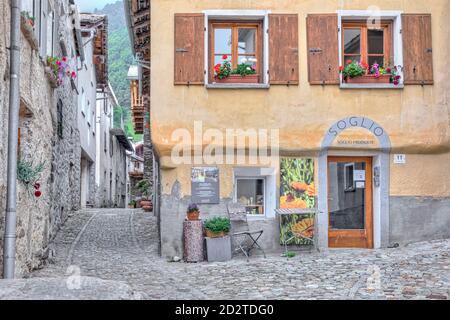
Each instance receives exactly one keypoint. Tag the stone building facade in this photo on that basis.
(111, 158)
(370, 159)
(48, 128)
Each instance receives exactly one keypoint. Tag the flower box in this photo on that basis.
(237, 78)
(28, 31)
(370, 78)
(52, 79)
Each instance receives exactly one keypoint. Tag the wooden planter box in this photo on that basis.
(51, 77)
(370, 78)
(236, 78)
(218, 249)
(28, 32)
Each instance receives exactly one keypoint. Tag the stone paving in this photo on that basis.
(113, 254)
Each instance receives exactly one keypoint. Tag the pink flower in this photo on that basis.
(396, 83)
(64, 59)
(74, 75)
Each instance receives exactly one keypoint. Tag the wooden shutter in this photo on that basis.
(417, 49)
(323, 48)
(283, 47)
(189, 49)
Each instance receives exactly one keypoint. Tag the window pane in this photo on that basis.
(250, 193)
(247, 41)
(222, 40)
(353, 58)
(352, 40)
(250, 60)
(27, 5)
(376, 41)
(378, 60)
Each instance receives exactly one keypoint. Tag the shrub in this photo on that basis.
(218, 224)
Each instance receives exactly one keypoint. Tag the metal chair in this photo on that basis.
(244, 239)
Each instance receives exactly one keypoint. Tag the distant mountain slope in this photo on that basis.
(119, 59)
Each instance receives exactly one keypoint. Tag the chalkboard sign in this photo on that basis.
(205, 185)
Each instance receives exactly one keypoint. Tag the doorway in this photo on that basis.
(350, 202)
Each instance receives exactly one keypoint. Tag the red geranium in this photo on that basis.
(341, 68)
(364, 65)
(217, 67)
(225, 57)
(348, 61)
(388, 70)
(37, 194)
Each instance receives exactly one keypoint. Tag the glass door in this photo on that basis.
(350, 202)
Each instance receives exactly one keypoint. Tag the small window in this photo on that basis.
(239, 44)
(364, 44)
(349, 181)
(250, 193)
(59, 110)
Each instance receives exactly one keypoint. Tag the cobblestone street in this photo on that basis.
(108, 254)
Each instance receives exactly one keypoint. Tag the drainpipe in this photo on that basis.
(9, 249)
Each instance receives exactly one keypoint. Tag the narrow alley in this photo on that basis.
(113, 254)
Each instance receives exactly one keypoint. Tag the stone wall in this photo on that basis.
(38, 219)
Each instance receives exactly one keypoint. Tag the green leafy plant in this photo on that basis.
(132, 203)
(244, 70)
(27, 173)
(353, 69)
(144, 187)
(289, 254)
(218, 224)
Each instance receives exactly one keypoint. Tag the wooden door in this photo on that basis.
(350, 205)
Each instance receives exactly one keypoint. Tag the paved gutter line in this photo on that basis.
(77, 239)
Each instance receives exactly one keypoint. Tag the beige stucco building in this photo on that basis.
(380, 152)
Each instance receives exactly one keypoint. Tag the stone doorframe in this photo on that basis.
(381, 159)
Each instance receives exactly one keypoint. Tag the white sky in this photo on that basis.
(90, 5)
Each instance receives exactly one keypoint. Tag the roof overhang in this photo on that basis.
(122, 138)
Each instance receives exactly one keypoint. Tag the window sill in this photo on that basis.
(370, 86)
(237, 86)
(253, 217)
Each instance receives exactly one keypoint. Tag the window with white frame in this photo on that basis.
(237, 40)
(371, 38)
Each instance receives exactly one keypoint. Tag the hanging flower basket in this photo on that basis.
(27, 27)
(58, 70)
(52, 79)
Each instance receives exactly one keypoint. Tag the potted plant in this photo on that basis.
(361, 72)
(29, 174)
(193, 212)
(57, 70)
(218, 243)
(144, 188)
(244, 73)
(132, 204)
(217, 227)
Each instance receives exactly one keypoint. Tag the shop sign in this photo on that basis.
(205, 185)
